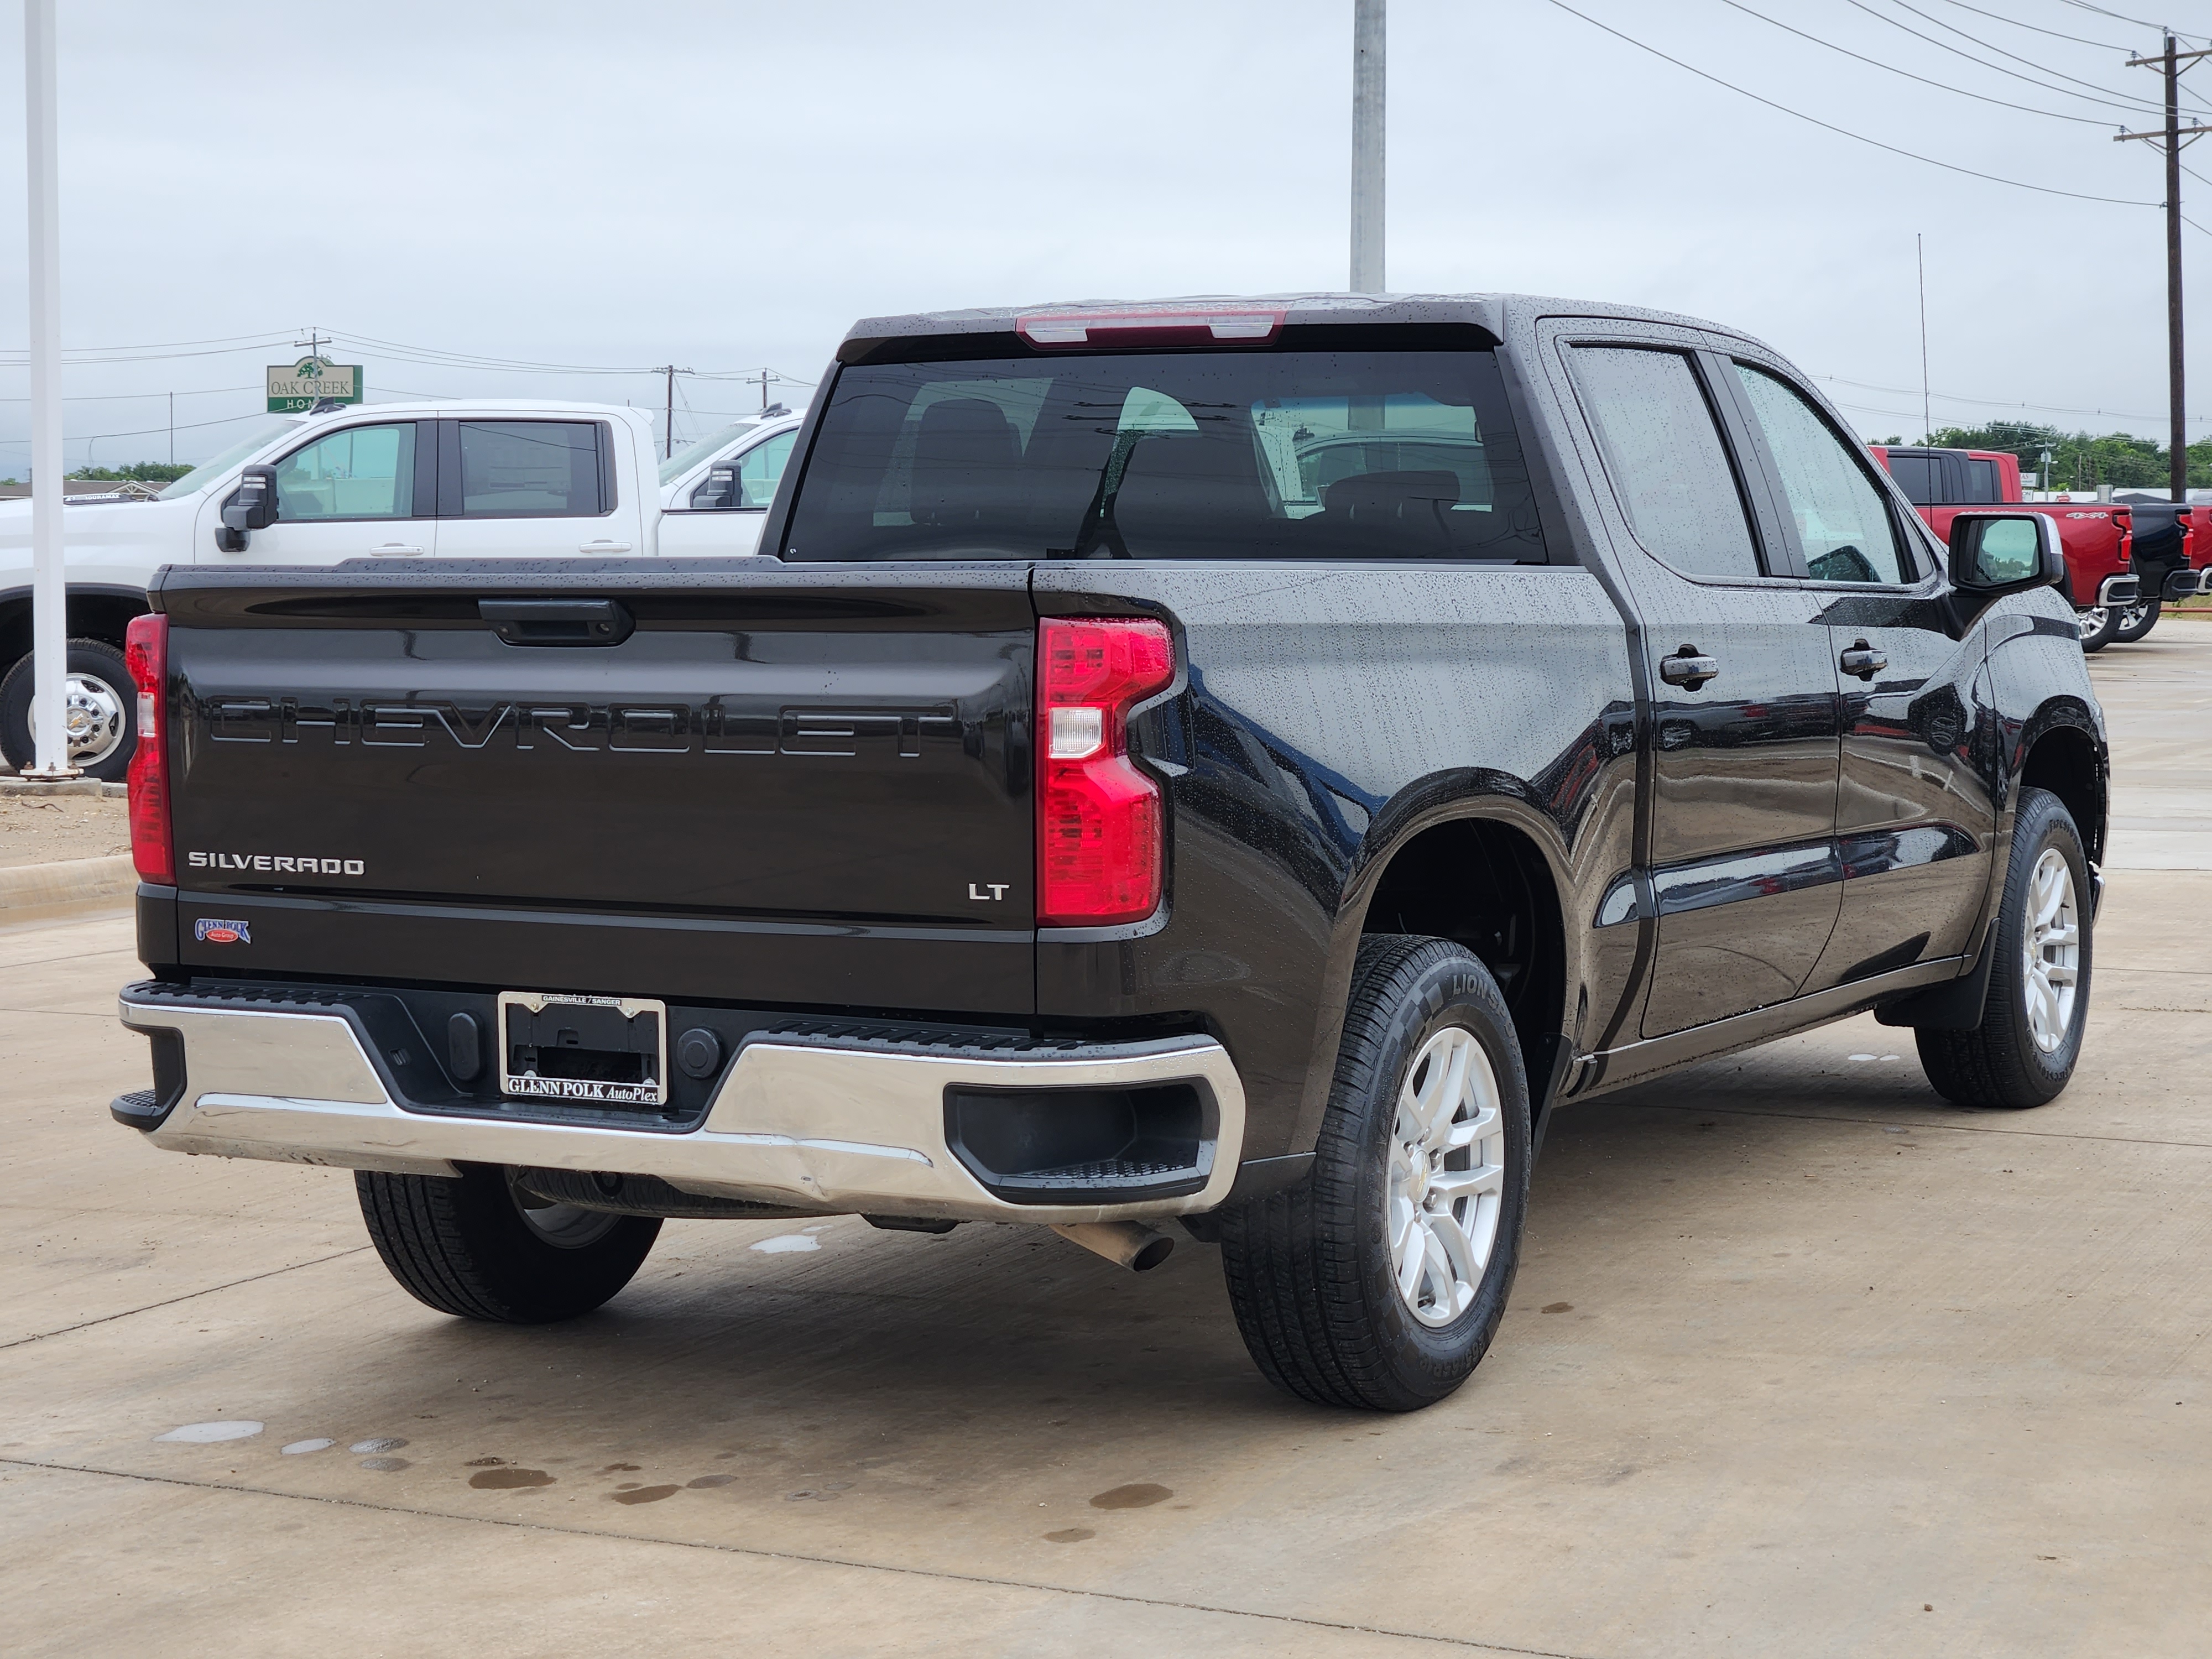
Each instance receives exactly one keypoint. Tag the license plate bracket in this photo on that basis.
(558, 1045)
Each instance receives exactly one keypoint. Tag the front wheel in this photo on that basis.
(1378, 1283)
(2024, 1051)
(481, 1248)
(100, 712)
(2136, 621)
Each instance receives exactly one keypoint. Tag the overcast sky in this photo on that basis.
(726, 186)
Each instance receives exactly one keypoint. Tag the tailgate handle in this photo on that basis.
(558, 622)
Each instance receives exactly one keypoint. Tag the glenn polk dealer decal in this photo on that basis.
(209, 931)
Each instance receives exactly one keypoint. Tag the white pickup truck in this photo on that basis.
(452, 480)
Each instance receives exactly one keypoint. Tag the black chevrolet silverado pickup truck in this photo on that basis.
(1248, 763)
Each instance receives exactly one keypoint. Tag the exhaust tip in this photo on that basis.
(1128, 1244)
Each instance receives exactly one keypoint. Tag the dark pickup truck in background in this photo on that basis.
(1246, 763)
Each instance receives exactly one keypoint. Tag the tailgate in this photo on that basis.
(714, 780)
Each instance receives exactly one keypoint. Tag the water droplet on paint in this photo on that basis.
(385, 1465)
(209, 1434)
(383, 1443)
(644, 1495)
(299, 1446)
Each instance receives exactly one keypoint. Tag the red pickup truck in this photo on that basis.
(2096, 537)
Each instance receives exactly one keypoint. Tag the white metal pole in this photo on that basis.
(1367, 92)
(49, 574)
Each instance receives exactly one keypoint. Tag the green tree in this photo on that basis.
(138, 472)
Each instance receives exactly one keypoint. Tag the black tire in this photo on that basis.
(2138, 620)
(1310, 1269)
(100, 665)
(464, 1246)
(1999, 1063)
(2099, 624)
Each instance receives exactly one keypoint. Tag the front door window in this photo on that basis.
(360, 472)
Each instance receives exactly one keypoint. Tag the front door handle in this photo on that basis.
(1863, 660)
(603, 547)
(392, 551)
(1688, 669)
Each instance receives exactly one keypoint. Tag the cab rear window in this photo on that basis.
(1169, 455)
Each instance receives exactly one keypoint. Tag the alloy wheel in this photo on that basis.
(2050, 949)
(1447, 1176)
(92, 719)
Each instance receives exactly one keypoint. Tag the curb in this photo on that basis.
(71, 881)
(71, 786)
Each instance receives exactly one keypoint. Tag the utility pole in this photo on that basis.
(49, 568)
(668, 429)
(2170, 139)
(173, 428)
(1368, 85)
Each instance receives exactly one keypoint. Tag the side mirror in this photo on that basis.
(1994, 553)
(719, 492)
(252, 506)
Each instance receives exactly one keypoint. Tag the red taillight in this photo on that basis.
(1100, 827)
(146, 655)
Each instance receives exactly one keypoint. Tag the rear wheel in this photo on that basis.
(100, 712)
(2098, 623)
(481, 1248)
(2136, 621)
(2024, 1051)
(1379, 1282)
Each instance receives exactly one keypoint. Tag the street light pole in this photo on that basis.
(1368, 85)
(49, 573)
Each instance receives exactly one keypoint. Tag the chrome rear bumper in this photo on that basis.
(834, 1127)
(2119, 591)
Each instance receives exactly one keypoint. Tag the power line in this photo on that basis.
(1994, 402)
(2056, 115)
(1988, 45)
(2124, 18)
(2134, 107)
(1949, 167)
(1999, 17)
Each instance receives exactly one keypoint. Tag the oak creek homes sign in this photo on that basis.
(294, 387)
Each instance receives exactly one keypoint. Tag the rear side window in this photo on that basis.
(1170, 455)
(1918, 475)
(1982, 483)
(529, 469)
(1664, 452)
(362, 472)
(1843, 519)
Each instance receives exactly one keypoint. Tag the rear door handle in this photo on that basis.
(603, 547)
(391, 550)
(558, 622)
(1688, 669)
(1863, 660)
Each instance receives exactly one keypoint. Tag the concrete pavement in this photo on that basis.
(1801, 1360)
